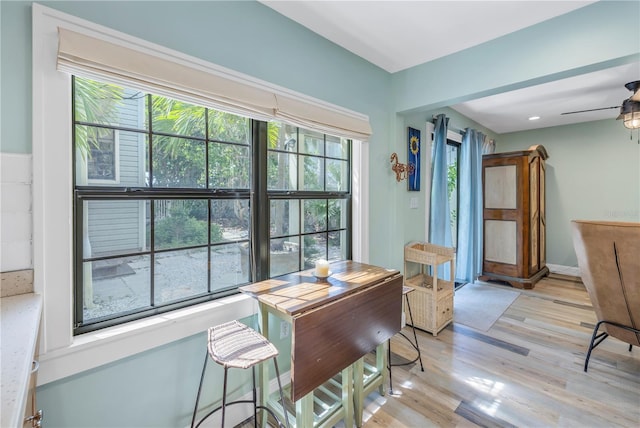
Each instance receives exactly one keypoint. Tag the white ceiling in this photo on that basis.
(395, 35)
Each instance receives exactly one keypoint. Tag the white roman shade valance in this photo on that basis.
(320, 118)
(198, 83)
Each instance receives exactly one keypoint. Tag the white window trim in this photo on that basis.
(62, 354)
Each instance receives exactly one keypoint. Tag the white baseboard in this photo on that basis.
(564, 270)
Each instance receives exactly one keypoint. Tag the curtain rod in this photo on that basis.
(459, 131)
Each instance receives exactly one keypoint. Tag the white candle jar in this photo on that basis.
(322, 268)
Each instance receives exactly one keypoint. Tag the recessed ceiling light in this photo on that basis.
(534, 118)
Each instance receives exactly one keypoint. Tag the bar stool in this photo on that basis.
(234, 345)
(405, 291)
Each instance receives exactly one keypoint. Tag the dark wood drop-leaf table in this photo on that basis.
(335, 322)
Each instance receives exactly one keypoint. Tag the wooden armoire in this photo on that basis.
(514, 217)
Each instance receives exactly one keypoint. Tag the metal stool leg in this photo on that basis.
(224, 396)
(413, 326)
(255, 398)
(284, 408)
(204, 368)
(413, 343)
(389, 366)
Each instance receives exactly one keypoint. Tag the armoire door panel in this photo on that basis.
(500, 187)
(501, 244)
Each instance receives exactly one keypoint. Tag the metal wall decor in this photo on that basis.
(403, 171)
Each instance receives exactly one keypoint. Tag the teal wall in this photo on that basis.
(593, 173)
(251, 38)
(151, 389)
(15, 73)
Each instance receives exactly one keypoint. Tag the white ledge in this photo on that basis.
(104, 346)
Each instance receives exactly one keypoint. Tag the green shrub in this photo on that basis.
(180, 231)
(185, 226)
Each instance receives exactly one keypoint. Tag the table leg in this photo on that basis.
(347, 396)
(304, 411)
(263, 320)
(381, 364)
(358, 390)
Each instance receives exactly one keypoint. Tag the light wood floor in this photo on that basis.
(525, 371)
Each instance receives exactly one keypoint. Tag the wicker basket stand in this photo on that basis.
(432, 303)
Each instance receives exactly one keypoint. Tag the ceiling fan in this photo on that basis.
(629, 110)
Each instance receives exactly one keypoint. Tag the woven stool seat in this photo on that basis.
(407, 290)
(233, 344)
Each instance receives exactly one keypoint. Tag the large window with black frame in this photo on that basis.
(309, 193)
(176, 204)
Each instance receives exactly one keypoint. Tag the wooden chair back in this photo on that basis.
(609, 261)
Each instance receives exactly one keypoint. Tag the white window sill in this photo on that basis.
(91, 350)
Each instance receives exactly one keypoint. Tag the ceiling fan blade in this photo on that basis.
(635, 88)
(592, 109)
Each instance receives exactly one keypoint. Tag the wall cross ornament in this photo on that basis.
(403, 171)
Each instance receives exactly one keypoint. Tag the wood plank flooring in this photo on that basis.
(526, 371)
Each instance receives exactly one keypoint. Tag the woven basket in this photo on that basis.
(431, 310)
(428, 254)
(423, 306)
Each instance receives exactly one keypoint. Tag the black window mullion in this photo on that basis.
(78, 247)
(79, 263)
(301, 231)
(298, 160)
(349, 213)
(152, 254)
(152, 208)
(324, 174)
(260, 203)
(208, 187)
(150, 137)
(326, 219)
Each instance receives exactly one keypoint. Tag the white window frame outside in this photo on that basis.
(62, 354)
(116, 157)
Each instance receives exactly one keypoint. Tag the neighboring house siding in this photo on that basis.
(115, 227)
(118, 227)
(131, 167)
(131, 144)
